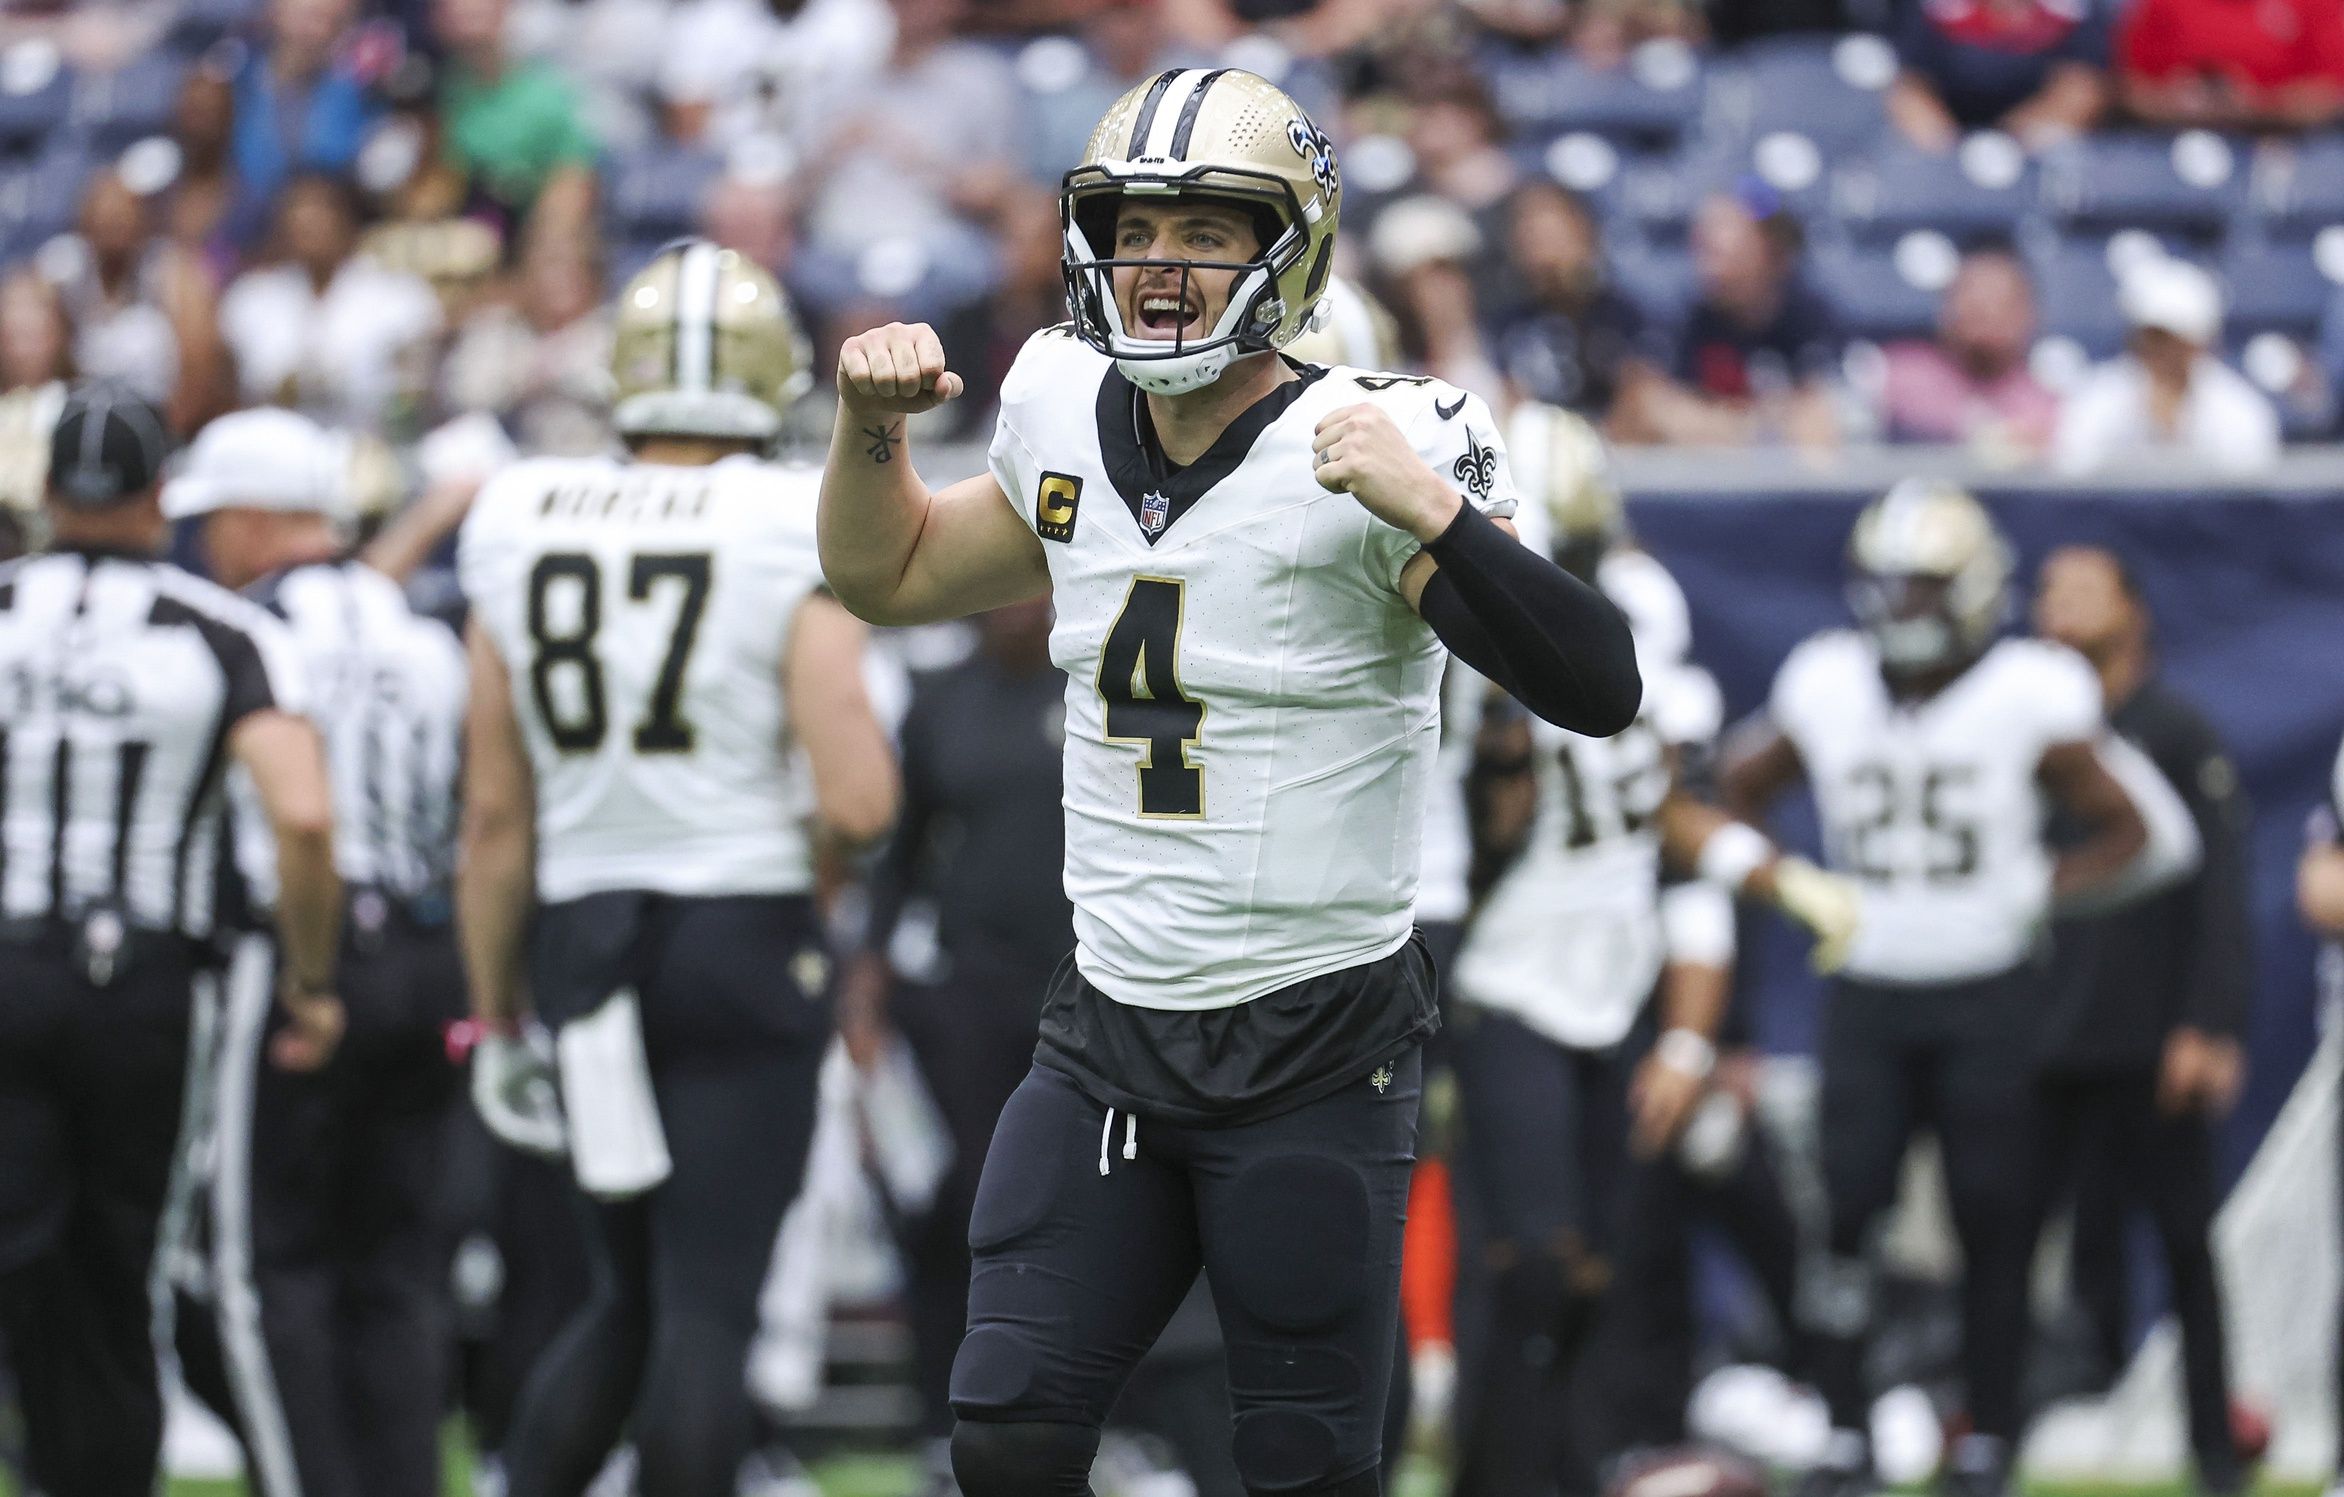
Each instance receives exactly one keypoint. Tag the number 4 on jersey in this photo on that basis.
(1139, 681)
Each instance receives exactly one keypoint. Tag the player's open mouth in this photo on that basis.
(1168, 317)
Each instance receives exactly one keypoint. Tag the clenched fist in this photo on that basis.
(899, 368)
(1359, 451)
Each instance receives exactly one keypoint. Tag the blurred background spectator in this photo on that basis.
(513, 125)
(1559, 332)
(141, 308)
(326, 330)
(1971, 384)
(1753, 359)
(2233, 64)
(539, 362)
(2035, 68)
(2168, 395)
(300, 100)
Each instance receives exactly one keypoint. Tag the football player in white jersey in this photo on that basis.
(1935, 749)
(667, 712)
(1254, 566)
(1575, 959)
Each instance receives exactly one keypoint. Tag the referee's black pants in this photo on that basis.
(350, 1237)
(2108, 1143)
(91, 1085)
(734, 1047)
(1952, 1058)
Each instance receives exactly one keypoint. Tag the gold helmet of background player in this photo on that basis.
(1351, 329)
(705, 345)
(1930, 575)
(1212, 132)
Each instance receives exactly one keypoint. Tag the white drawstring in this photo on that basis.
(1107, 1137)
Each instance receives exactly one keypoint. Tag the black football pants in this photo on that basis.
(2107, 1143)
(91, 1085)
(1952, 1059)
(735, 1050)
(1088, 1230)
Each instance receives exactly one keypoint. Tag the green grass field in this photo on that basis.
(881, 1476)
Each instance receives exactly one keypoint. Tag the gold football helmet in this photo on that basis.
(706, 345)
(1930, 575)
(1351, 329)
(1214, 132)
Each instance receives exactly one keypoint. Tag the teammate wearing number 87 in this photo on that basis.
(1934, 749)
(1255, 564)
(653, 660)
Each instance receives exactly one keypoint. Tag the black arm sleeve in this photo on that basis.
(1553, 643)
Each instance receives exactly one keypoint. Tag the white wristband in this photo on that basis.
(1734, 852)
(1686, 1053)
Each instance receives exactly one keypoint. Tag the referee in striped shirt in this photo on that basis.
(127, 687)
(330, 1234)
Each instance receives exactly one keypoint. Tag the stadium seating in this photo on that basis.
(2275, 287)
(2299, 186)
(1878, 293)
(131, 103)
(656, 192)
(2193, 183)
(36, 90)
(1829, 90)
(199, 23)
(1652, 101)
(1984, 191)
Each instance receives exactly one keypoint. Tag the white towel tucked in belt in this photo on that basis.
(616, 1144)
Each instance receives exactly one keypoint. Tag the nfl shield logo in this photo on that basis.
(1154, 512)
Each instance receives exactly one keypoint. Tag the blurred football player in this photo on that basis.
(662, 694)
(1590, 994)
(1935, 749)
(1254, 565)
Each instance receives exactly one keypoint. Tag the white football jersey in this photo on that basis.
(1571, 939)
(1252, 710)
(643, 612)
(1934, 805)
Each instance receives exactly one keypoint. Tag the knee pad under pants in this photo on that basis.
(1023, 1460)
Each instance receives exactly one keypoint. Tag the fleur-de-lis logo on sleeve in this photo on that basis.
(1478, 468)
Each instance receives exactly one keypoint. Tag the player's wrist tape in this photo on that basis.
(1555, 644)
(1685, 1052)
(1734, 852)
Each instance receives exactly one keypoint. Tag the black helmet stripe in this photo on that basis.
(1189, 112)
(1147, 110)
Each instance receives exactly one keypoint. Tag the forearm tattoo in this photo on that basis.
(885, 438)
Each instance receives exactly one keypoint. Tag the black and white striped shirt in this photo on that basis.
(121, 678)
(387, 691)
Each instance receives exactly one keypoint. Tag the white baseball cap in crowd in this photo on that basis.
(2172, 296)
(265, 458)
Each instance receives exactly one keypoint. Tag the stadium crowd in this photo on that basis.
(2066, 237)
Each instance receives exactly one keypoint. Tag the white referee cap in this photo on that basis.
(265, 458)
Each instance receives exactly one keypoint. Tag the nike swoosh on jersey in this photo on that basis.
(1449, 412)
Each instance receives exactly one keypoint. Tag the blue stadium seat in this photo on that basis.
(2274, 288)
(54, 185)
(2194, 183)
(2300, 185)
(30, 116)
(1642, 103)
(1900, 189)
(199, 23)
(1828, 89)
(657, 191)
(1748, 165)
(1869, 293)
(131, 103)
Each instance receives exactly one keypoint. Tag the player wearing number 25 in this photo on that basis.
(1935, 750)
(651, 651)
(1255, 565)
